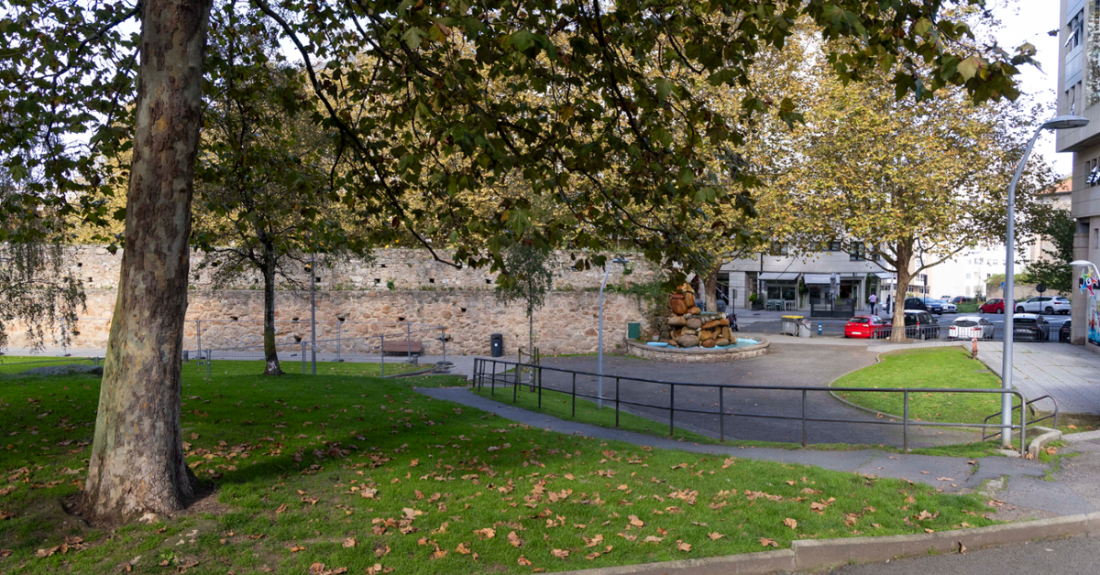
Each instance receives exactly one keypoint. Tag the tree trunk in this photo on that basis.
(271, 355)
(904, 251)
(711, 289)
(137, 463)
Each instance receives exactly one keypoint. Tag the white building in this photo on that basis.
(777, 280)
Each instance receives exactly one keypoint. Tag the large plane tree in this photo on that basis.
(402, 82)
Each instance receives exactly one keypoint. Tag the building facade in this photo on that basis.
(1078, 91)
(828, 274)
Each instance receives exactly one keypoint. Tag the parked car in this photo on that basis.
(931, 305)
(1044, 304)
(948, 307)
(1029, 327)
(867, 327)
(961, 299)
(1063, 332)
(915, 303)
(970, 327)
(995, 305)
(920, 324)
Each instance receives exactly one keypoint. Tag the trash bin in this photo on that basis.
(633, 330)
(496, 345)
(804, 328)
(790, 324)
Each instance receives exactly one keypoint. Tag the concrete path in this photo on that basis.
(1023, 489)
(1070, 373)
(788, 364)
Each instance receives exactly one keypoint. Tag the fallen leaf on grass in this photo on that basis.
(381, 549)
(5, 515)
(463, 548)
(350, 542)
(560, 553)
(514, 539)
(523, 561)
(768, 542)
(5, 552)
(592, 555)
(715, 536)
(296, 548)
(962, 548)
(683, 546)
(652, 539)
(792, 523)
(593, 541)
(487, 533)
(368, 493)
(635, 521)
(281, 509)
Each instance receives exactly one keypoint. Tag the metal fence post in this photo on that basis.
(382, 353)
(905, 423)
(540, 389)
(616, 402)
(209, 361)
(493, 381)
(515, 386)
(721, 414)
(671, 410)
(303, 358)
(803, 418)
(1023, 425)
(574, 394)
(339, 339)
(198, 332)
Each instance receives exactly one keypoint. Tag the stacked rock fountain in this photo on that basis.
(691, 327)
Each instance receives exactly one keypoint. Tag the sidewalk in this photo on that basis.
(1023, 488)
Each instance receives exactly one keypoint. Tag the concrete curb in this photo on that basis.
(1039, 442)
(1083, 436)
(815, 554)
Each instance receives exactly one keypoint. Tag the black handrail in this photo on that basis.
(482, 371)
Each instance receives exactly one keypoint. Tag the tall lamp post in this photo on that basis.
(1056, 123)
(599, 384)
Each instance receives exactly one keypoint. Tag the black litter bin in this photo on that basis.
(496, 344)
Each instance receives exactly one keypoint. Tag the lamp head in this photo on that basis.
(1080, 263)
(1065, 123)
(623, 261)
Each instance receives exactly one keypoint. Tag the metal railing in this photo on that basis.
(943, 332)
(507, 373)
(371, 349)
(1054, 415)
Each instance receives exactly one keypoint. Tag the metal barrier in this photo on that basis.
(493, 371)
(1054, 415)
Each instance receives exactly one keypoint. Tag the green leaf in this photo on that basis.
(663, 88)
(969, 67)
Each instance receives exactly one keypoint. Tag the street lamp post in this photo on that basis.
(599, 384)
(1056, 123)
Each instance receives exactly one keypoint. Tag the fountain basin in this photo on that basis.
(745, 348)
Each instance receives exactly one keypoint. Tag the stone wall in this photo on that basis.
(406, 269)
(233, 318)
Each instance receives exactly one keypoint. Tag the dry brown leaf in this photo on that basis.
(652, 539)
(592, 555)
(281, 509)
(514, 539)
(368, 493)
(635, 521)
(523, 561)
(593, 541)
(463, 548)
(296, 548)
(487, 533)
(792, 523)
(715, 536)
(680, 545)
(560, 553)
(350, 542)
(381, 549)
(768, 542)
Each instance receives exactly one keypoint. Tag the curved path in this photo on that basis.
(787, 364)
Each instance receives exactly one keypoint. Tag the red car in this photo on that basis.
(995, 305)
(867, 327)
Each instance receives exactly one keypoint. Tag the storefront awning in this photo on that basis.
(819, 279)
(772, 276)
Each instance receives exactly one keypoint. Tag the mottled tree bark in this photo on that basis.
(137, 464)
(904, 252)
(271, 355)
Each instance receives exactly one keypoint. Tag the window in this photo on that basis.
(833, 246)
(1075, 29)
(968, 275)
(857, 254)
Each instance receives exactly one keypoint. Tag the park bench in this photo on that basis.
(403, 347)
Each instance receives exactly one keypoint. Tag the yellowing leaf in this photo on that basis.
(523, 561)
(560, 553)
(463, 548)
(768, 542)
(793, 524)
(487, 533)
(680, 545)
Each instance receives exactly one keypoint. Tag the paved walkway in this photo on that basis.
(1024, 491)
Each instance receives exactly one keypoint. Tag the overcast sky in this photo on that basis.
(1029, 21)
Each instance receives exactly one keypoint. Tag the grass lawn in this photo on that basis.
(15, 364)
(945, 367)
(353, 472)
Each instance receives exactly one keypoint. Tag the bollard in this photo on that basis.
(209, 361)
(819, 329)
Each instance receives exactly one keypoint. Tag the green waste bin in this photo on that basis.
(633, 330)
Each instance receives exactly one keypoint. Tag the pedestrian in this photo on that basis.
(873, 299)
(889, 310)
